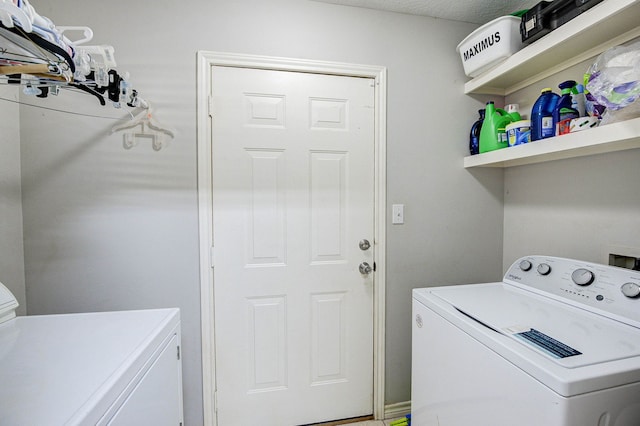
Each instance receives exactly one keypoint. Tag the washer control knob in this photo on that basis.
(582, 276)
(525, 265)
(630, 289)
(544, 269)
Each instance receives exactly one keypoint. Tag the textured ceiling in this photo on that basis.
(475, 11)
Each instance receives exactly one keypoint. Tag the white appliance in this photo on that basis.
(109, 368)
(557, 343)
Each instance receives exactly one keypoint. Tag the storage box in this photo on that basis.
(546, 16)
(490, 44)
(535, 22)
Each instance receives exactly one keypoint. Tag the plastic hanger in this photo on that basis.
(16, 13)
(40, 56)
(87, 34)
(6, 19)
(147, 122)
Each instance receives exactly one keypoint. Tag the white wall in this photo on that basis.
(571, 208)
(11, 251)
(107, 228)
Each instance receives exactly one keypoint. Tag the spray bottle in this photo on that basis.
(578, 101)
(563, 113)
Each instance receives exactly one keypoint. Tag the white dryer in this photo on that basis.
(556, 343)
(115, 368)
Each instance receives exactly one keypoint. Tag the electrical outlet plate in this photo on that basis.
(621, 256)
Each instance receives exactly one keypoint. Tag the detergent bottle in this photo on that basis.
(563, 112)
(513, 111)
(578, 100)
(474, 136)
(542, 115)
(493, 134)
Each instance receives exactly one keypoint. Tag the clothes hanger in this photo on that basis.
(6, 18)
(147, 122)
(90, 91)
(16, 13)
(40, 49)
(144, 118)
(38, 55)
(87, 34)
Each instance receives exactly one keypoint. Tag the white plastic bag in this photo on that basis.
(623, 114)
(614, 78)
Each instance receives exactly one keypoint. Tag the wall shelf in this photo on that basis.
(607, 24)
(609, 138)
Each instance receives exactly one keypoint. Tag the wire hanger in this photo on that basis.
(150, 129)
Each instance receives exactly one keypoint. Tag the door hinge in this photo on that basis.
(210, 106)
(215, 401)
(178, 352)
(374, 266)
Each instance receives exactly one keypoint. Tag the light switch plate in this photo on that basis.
(397, 214)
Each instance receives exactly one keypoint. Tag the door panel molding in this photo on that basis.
(205, 61)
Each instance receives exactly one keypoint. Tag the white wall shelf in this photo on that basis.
(609, 138)
(607, 24)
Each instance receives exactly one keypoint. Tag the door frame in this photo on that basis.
(205, 61)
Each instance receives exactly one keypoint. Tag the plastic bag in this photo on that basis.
(627, 113)
(614, 78)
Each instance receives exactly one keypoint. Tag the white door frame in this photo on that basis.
(205, 204)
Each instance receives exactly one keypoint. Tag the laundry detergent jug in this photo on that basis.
(474, 136)
(542, 115)
(514, 111)
(493, 134)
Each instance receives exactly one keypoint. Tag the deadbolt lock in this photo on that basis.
(364, 245)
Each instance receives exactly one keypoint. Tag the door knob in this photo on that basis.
(364, 245)
(365, 268)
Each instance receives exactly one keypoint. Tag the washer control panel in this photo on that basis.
(609, 290)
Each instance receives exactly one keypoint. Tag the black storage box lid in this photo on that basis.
(547, 16)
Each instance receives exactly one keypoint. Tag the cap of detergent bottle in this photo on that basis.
(513, 111)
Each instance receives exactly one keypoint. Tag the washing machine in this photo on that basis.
(106, 368)
(556, 343)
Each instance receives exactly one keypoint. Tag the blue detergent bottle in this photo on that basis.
(474, 136)
(563, 111)
(542, 115)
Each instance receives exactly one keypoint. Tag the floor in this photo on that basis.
(371, 423)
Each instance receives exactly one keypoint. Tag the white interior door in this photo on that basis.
(293, 195)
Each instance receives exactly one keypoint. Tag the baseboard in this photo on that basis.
(399, 409)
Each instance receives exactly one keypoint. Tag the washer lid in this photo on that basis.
(8, 304)
(570, 336)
